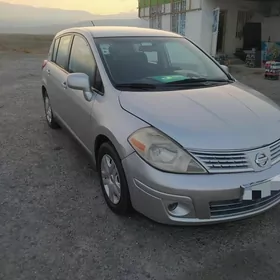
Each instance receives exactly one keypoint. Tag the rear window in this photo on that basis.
(55, 48)
(63, 51)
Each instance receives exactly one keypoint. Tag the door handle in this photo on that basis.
(49, 71)
(64, 85)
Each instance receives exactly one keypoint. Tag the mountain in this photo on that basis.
(28, 14)
(53, 29)
(33, 20)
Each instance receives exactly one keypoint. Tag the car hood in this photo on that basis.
(231, 116)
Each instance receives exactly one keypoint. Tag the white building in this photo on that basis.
(241, 24)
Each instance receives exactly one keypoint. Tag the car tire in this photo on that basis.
(112, 180)
(49, 113)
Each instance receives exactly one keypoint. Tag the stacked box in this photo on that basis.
(272, 70)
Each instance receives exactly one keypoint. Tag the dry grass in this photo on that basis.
(35, 44)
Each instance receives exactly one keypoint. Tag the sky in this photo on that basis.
(93, 6)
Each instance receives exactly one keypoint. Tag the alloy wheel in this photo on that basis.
(48, 110)
(110, 179)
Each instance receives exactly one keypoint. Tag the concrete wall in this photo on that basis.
(206, 25)
(166, 19)
(270, 27)
(193, 27)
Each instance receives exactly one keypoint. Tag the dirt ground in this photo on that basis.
(255, 79)
(54, 223)
(36, 44)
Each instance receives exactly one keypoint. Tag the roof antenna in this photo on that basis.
(92, 23)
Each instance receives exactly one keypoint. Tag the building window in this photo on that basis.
(153, 22)
(178, 16)
(156, 22)
(184, 5)
(159, 22)
(179, 6)
(176, 7)
(156, 16)
(178, 22)
(182, 24)
(174, 23)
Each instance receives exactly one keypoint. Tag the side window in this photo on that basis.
(55, 48)
(50, 51)
(63, 51)
(81, 59)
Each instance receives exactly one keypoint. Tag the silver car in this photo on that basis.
(171, 133)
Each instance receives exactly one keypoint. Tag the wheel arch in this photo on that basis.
(104, 136)
(44, 91)
(100, 139)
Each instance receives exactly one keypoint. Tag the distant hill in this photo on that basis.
(52, 29)
(28, 15)
(18, 19)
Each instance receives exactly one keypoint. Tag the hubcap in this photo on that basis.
(48, 110)
(111, 179)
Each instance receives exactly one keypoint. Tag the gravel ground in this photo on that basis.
(54, 223)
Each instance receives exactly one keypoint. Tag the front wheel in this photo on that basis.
(113, 180)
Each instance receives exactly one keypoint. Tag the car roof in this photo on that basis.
(120, 31)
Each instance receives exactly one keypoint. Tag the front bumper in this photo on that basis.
(200, 199)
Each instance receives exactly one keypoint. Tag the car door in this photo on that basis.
(79, 109)
(46, 67)
(57, 71)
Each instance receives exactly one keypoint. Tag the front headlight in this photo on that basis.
(162, 153)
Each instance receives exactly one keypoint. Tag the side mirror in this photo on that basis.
(80, 81)
(225, 68)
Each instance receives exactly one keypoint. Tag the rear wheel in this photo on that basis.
(49, 113)
(113, 180)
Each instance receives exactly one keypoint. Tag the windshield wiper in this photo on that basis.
(142, 86)
(198, 81)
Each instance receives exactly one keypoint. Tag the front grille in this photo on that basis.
(275, 152)
(236, 161)
(228, 208)
(224, 162)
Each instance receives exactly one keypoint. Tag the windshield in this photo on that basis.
(156, 61)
